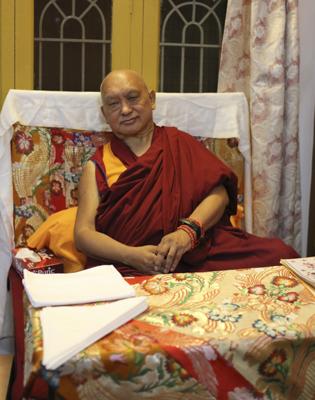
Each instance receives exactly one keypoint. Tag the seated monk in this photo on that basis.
(155, 200)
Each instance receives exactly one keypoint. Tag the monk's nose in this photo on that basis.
(125, 107)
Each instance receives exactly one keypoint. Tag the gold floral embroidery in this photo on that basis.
(155, 286)
(183, 319)
(284, 281)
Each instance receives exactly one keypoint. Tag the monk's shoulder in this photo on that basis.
(177, 133)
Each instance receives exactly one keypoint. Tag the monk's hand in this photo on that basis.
(145, 259)
(171, 249)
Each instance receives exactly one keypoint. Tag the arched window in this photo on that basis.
(78, 41)
(72, 43)
(190, 43)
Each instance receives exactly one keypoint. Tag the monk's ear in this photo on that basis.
(152, 98)
(103, 112)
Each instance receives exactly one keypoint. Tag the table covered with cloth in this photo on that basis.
(237, 334)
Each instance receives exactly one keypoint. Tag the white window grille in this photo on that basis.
(190, 43)
(72, 43)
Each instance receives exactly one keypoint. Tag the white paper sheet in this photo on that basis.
(68, 330)
(102, 283)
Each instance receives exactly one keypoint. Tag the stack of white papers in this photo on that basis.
(103, 283)
(68, 330)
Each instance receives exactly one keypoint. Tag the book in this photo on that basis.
(102, 283)
(303, 267)
(42, 261)
(70, 329)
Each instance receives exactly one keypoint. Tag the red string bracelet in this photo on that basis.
(195, 225)
(191, 233)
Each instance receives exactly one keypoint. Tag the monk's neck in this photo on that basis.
(139, 144)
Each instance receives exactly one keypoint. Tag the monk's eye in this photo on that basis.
(133, 98)
(113, 104)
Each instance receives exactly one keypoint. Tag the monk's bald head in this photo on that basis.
(122, 77)
(127, 103)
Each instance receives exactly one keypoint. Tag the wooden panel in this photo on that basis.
(151, 43)
(16, 45)
(137, 36)
(6, 47)
(24, 44)
(121, 33)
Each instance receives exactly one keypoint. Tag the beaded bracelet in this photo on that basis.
(194, 225)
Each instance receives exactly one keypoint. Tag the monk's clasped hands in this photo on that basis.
(170, 251)
(165, 257)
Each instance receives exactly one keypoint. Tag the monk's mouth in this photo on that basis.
(129, 121)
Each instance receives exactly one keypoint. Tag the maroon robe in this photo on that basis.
(166, 184)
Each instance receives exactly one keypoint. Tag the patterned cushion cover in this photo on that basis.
(227, 150)
(47, 164)
(46, 167)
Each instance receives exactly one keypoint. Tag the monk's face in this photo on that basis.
(127, 104)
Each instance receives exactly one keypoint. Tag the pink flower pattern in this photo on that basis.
(23, 143)
(242, 66)
(235, 26)
(260, 32)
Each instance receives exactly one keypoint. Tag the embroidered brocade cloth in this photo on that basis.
(238, 334)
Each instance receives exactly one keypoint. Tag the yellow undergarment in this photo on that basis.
(114, 167)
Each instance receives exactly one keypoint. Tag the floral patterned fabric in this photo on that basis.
(260, 57)
(46, 167)
(227, 150)
(214, 335)
(47, 164)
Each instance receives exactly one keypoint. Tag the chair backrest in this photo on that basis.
(55, 133)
